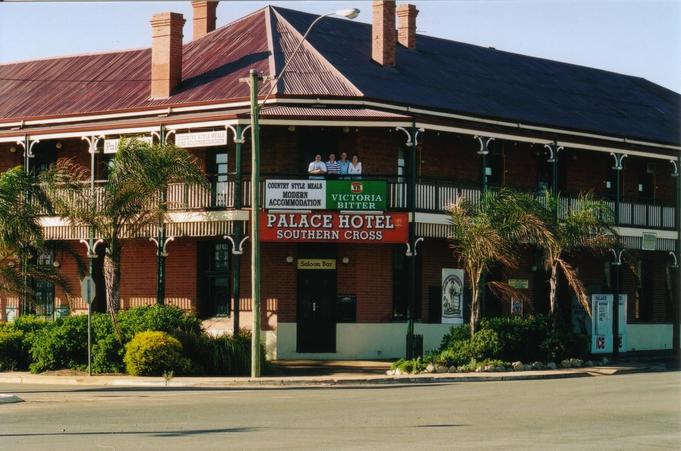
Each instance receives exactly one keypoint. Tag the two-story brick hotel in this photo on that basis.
(344, 256)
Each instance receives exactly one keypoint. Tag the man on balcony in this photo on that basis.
(317, 168)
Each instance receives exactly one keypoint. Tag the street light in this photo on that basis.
(252, 80)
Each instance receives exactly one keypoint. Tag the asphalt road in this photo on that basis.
(637, 411)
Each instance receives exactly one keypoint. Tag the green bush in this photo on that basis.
(455, 335)
(562, 344)
(161, 318)
(153, 353)
(520, 337)
(224, 355)
(13, 350)
(410, 366)
(61, 345)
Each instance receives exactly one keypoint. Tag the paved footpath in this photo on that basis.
(344, 375)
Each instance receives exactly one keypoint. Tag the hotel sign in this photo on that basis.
(111, 145)
(349, 195)
(333, 227)
(317, 263)
(201, 139)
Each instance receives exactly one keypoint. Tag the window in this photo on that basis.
(44, 291)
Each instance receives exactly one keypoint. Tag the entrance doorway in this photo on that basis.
(214, 283)
(316, 298)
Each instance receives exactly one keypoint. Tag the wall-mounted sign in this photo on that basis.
(601, 323)
(295, 194)
(111, 145)
(649, 241)
(317, 263)
(201, 139)
(356, 195)
(516, 307)
(452, 296)
(520, 284)
(334, 227)
(325, 195)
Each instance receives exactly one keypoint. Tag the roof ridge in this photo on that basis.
(310, 47)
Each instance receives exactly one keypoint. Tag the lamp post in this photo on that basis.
(252, 81)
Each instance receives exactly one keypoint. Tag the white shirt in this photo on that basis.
(352, 169)
(316, 165)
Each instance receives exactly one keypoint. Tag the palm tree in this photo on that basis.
(490, 232)
(22, 201)
(586, 226)
(132, 200)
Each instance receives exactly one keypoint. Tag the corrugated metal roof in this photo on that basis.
(336, 61)
(308, 72)
(118, 81)
(484, 82)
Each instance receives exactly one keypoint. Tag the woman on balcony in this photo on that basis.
(355, 168)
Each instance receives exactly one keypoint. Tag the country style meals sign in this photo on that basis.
(357, 195)
(333, 227)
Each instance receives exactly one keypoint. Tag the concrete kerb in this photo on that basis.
(316, 381)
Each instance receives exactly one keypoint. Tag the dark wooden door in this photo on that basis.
(316, 311)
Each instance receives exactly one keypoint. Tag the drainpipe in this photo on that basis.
(483, 152)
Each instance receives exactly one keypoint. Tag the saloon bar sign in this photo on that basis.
(333, 227)
(325, 195)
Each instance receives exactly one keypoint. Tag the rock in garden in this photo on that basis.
(565, 363)
(390, 372)
(605, 361)
(588, 363)
(577, 363)
(537, 366)
(441, 369)
(430, 368)
(500, 369)
(551, 366)
(518, 366)
(397, 372)
(452, 369)
(527, 367)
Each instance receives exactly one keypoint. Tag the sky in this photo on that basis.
(634, 37)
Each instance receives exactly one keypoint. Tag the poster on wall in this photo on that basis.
(452, 296)
(601, 323)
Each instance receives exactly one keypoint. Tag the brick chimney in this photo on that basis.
(406, 25)
(166, 53)
(383, 32)
(204, 18)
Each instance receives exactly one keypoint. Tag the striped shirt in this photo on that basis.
(332, 167)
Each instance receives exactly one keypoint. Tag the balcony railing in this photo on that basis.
(432, 196)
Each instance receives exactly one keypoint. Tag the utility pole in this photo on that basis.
(253, 80)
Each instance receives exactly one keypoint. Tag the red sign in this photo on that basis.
(334, 227)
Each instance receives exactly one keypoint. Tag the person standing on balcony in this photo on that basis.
(317, 168)
(332, 166)
(344, 163)
(355, 167)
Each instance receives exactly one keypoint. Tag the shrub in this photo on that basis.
(13, 350)
(485, 344)
(520, 337)
(455, 334)
(62, 345)
(163, 318)
(410, 366)
(153, 353)
(224, 355)
(561, 344)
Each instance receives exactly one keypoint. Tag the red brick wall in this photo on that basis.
(8, 159)
(369, 276)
